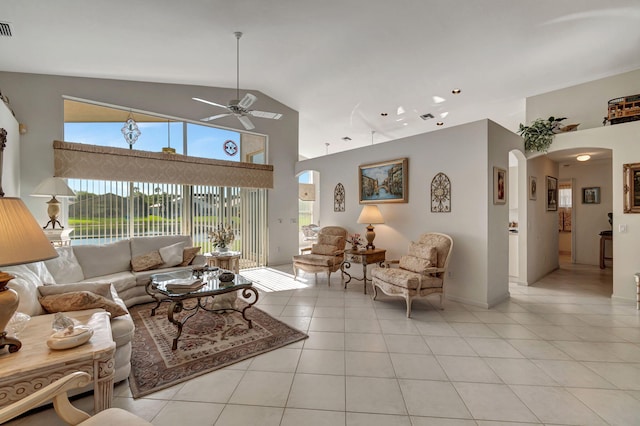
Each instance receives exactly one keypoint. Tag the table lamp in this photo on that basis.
(370, 214)
(52, 187)
(22, 242)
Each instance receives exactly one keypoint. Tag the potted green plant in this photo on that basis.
(539, 135)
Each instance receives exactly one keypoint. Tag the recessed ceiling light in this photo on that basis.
(443, 114)
(438, 99)
(583, 157)
(439, 123)
(400, 111)
(384, 114)
(456, 91)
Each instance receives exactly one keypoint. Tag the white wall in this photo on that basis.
(542, 226)
(38, 101)
(11, 155)
(585, 103)
(590, 219)
(462, 153)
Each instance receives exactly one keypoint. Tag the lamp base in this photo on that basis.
(370, 235)
(8, 304)
(53, 211)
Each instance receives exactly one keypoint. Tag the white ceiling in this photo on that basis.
(340, 63)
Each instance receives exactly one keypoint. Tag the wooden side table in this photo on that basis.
(604, 237)
(366, 257)
(35, 366)
(229, 260)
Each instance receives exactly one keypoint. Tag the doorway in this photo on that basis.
(565, 221)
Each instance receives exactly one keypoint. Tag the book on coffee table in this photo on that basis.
(184, 284)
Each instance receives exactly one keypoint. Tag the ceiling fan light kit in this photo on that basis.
(240, 108)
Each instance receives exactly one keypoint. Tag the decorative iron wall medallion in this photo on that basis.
(441, 194)
(338, 198)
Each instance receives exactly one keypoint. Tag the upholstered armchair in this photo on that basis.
(419, 273)
(325, 256)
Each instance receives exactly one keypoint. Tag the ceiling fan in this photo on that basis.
(240, 107)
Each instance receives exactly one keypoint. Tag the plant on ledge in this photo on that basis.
(221, 237)
(539, 135)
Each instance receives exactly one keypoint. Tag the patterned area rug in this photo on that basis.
(209, 341)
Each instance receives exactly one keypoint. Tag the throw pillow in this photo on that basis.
(323, 249)
(78, 301)
(65, 268)
(172, 255)
(333, 240)
(147, 261)
(426, 252)
(101, 289)
(415, 264)
(189, 254)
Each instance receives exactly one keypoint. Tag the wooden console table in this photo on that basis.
(35, 366)
(229, 260)
(366, 257)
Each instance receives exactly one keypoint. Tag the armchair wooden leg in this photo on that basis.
(375, 291)
(441, 298)
(409, 300)
(329, 278)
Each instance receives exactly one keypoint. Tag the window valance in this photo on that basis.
(80, 161)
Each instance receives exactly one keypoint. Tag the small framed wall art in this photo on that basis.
(440, 194)
(533, 188)
(499, 185)
(591, 195)
(338, 198)
(631, 179)
(384, 182)
(552, 194)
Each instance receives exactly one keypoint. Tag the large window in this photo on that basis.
(105, 211)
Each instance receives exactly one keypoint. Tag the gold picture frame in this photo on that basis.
(631, 189)
(385, 182)
(499, 186)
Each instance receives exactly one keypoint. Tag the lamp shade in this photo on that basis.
(370, 214)
(23, 240)
(53, 187)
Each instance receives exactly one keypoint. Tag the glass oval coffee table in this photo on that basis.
(211, 288)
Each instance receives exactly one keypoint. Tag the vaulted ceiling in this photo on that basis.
(340, 63)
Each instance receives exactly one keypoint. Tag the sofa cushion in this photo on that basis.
(40, 269)
(405, 279)
(188, 254)
(80, 300)
(142, 245)
(26, 284)
(121, 281)
(147, 261)
(65, 268)
(105, 259)
(172, 255)
(101, 289)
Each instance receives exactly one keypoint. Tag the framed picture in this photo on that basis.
(552, 194)
(533, 188)
(631, 187)
(499, 186)
(591, 195)
(385, 182)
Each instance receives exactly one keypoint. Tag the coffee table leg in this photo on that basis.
(176, 306)
(246, 293)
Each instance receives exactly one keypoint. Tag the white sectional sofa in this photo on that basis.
(96, 264)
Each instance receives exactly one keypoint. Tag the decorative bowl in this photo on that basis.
(64, 340)
(226, 277)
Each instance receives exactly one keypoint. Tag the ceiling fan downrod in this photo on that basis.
(238, 34)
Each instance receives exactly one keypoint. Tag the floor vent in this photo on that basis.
(5, 29)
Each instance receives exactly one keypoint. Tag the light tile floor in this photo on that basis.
(560, 352)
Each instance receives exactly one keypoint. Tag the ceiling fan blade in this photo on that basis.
(247, 101)
(209, 102)
(215, 117)
(264, 114)
(246, 122)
